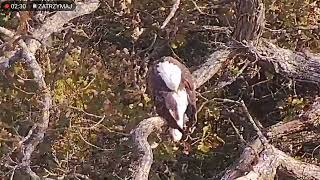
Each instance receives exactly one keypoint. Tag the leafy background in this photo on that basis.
(98, 89)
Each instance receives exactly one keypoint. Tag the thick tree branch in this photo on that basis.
(39, 129)
(56, 22)
(53, 24)
(140, 137)
(271, 159)
(250, 21)
(212, 65)
(261, 163)
(302, 66)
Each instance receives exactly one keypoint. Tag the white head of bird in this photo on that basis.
(171, 74)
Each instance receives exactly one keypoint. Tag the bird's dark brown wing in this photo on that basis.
(192, 106)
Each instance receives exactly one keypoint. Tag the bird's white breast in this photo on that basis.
(181, 98)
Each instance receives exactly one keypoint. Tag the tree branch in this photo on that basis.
(53, 24)
(250, 21)
(261, 163)
(303, 66)
(171, 14)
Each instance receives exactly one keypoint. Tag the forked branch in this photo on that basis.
(25, 52)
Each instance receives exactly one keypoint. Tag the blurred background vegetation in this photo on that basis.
(96, 73)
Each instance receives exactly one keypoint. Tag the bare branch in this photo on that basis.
(40, 128)
(212, 65)
(53, 24)
(261, 162)
(303, 66)
(171, 14)
(56, 22)
(140, 137)
(255, 124)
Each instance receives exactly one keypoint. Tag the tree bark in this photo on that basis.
(259, 162)
(301, 66)
(250, 21)
(26, 51)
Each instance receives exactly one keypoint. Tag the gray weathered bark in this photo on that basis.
(25, 52)
(259, 162)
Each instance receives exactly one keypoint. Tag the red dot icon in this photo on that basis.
(7, 6)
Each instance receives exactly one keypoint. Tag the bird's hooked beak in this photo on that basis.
(174, 114)
(176, 89)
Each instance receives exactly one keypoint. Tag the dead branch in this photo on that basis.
(171, 14)
(140, 137)
(259, 162)
(29, 144)
(147, 126)
(303, 66)
(26, 52)
(291, 136)
(212, 65)
(36, 133)
(271, 159)
(255, 124)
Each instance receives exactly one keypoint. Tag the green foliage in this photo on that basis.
(294, 23)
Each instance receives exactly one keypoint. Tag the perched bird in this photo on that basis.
(171, 87)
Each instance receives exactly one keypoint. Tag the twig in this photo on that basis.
(255, 124)
(19, 89)
(201, 12)
(222, 84)
(86, 87)
(314, 150)
(90, 144)
(237, 132)
(171, 14)
(89, 114)
(155, 36)
(96, 124)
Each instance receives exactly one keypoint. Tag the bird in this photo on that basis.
(171, 87)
